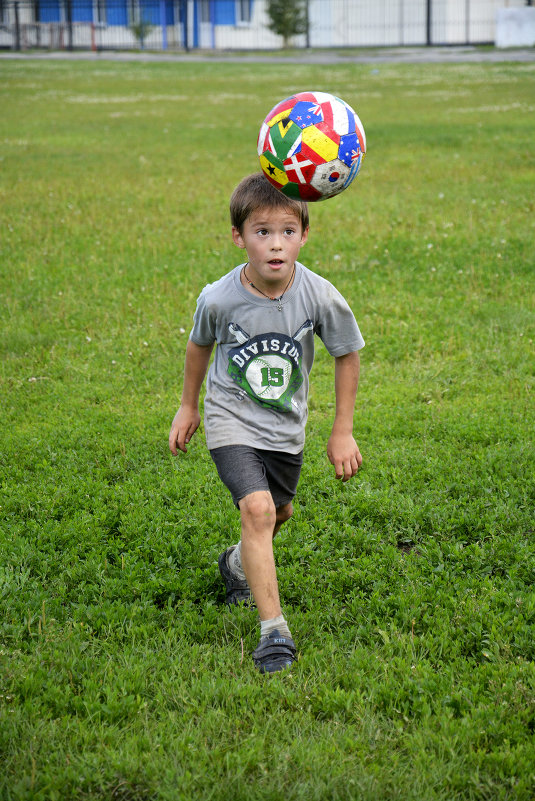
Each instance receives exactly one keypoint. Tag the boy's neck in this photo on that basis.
(254, 285)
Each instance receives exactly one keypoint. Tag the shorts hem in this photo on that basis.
(244, 470)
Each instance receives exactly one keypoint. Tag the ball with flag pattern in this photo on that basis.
(311, 146)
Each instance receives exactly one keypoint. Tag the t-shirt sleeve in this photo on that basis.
(203, 332)
(337, 327)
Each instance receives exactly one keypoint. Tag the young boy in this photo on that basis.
(263, 316)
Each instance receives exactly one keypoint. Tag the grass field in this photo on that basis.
(409, 591)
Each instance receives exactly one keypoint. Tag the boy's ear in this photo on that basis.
(237, 237)
(305, 235)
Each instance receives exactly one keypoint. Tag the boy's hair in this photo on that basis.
(255, 192)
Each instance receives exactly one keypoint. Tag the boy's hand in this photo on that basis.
(344, 454)
(185, 424)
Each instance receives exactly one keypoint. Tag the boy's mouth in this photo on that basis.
(276, 262)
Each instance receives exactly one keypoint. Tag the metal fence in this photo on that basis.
(243, 24)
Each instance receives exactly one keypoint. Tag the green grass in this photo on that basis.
(410, 590)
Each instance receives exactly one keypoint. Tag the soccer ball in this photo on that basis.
(311, 146)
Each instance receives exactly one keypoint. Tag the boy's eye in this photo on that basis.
(289, 231)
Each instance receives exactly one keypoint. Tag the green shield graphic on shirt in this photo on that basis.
(268, 368)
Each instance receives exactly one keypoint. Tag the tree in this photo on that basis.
(141, 30)
(287, 18)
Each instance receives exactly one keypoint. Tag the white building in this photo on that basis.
(243, 24)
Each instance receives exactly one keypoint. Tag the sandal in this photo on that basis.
(238, 590)
(274, 653)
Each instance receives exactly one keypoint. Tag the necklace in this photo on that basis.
(270, 297)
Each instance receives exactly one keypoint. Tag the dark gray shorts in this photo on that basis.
(244, 470)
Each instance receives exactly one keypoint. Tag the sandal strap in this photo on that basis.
(274, 653)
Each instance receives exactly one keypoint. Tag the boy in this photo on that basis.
(263, 316)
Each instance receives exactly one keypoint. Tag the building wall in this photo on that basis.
(220, 24)
(515, 27)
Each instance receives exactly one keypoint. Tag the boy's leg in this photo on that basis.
(260, 521)
(264, 476)
(282, 514)
(259, 524)
(276, 649)
(231, 567)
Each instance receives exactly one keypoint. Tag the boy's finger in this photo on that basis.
(338, 469)
(350, 469)
(176, 441)
(181, 442)
(184, 437)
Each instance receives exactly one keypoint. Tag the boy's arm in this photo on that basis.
(342, 449)
(187, 419)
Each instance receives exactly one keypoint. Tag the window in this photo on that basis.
(133, 12)
(99, 11)
(243, 12)
(205, 10)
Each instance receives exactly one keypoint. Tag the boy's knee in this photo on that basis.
(258, 507)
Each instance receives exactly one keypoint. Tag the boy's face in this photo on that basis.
(272, 239)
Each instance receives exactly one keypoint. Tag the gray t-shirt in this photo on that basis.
(257, 385)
